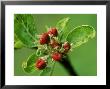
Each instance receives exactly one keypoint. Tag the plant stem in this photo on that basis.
(67, 65)
(53, 65)
(40, 72)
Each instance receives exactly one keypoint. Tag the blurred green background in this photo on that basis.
(83, 58)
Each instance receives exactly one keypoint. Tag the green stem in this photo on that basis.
(53, 66)
(41, 72)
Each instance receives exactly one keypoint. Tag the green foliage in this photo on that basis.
(24, 27)
(62, 23)
(25, 35)
(17, 42)
(29, 65)
(81, 35)
(61, 26)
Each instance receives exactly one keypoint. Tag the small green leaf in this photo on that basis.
(38, 52)
(29, 65)
(81, 35)
(18, 44)
(62, 23)
(25, 29)
(61, 26)
(28, 69)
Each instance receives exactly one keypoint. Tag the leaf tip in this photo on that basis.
(24, 65)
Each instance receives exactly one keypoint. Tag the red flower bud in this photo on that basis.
(53, 31)
(66, 46)
(44, 39)
(40, 64)
(53, 43)
(57, 56)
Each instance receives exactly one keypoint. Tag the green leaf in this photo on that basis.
(29, 65)
(81, 35)
(17, 42)
(62, 23)
(61, 26)
(28, 69)
(25, 29)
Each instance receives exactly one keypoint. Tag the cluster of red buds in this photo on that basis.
(58, 49)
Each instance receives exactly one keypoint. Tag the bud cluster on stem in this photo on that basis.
(50, 39)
